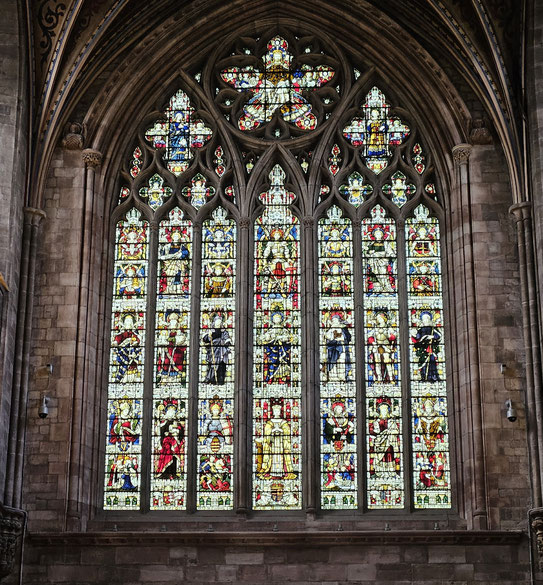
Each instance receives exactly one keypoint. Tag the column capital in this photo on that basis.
(11, 528)
(309, 221)
(521, 210)
(33, 215)
(244, 223)
(92, 158)
(461, 153)
(536, 525)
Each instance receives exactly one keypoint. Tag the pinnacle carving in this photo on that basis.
(92, 158)
(461, 153)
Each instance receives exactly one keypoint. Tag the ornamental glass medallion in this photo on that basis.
(431, 471)
(216, 364)
(277, 397)
(339, 465)
(399, 190)
(155, 193)
(170, 376)
(356, 191)
(199, 192)
(277, 87)
(376, 131)
(179, 133)
(383, 391)
(126, 362)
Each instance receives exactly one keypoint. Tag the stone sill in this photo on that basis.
(279, 538)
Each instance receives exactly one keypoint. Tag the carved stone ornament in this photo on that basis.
(480, 134)
(461, 153)
(11, 528)
(92, 158)
(74, 138)
(244, 223)
(309, 222)
(536, 524)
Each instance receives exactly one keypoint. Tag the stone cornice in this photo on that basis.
(301, 538)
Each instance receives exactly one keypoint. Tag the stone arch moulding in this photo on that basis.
(112, 121)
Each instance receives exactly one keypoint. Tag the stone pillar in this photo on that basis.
(311, 452)
(473, 433)
(80, 474)
(17, 426)
(243, 468)
(530, 317)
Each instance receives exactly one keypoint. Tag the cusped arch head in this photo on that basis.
(432, 95)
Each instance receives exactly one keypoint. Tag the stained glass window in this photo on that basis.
(431, 476)
(376, 131)
(342, 313)
(276, 86)
(216, 368)
(382, 342)
(339, 462)
(277, 353)
(179, 133)
(171, 371)
(127, 356)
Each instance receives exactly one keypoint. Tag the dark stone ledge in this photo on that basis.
(301, 538)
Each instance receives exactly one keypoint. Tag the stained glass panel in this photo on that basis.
(124, 193)
(334, 160)
(136, 162)
(376, 131)
(155, 193)
(277, 360)
(125, 387)
(170, 390)
(199, 192)
(277, 86)
(219, 161)
(179, 133)
(216, 367)
(399, 191)
(355, 191)
(418, 159)
(431, 471)
(339, 464)
(383, 391)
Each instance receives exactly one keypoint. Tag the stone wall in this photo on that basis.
(14, 114)
(380, 562)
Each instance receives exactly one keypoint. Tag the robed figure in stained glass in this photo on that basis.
(384, 432)
(382, 349)
(277, 446)
(175, 263)
(217, 341)
(277, 263)
(338, 355)
(171, 353)
(277, 344)
(127, 351)
(426, 344)
(380, 254)
(170, 461)
(377, 128)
